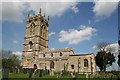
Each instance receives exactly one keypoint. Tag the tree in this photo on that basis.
(15, 60)
(10, 61)
(102, 46)
(104, 57)
(119, 53)
(104, 60)
(119, 59)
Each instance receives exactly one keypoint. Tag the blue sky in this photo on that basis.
(80, 25)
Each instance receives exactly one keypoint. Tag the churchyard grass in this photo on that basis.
(22, 75)
(19, 75)
(57, 75)
(0, 74)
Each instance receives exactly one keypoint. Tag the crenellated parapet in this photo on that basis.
(57, 50)
(38, 17)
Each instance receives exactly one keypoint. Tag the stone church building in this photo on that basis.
(36, 51)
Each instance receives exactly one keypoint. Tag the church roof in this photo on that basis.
(81, 54)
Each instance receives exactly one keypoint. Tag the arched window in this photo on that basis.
(30, 30)
(43, 55)
(51, 54)
(85, 63)
(60, 54)
(32, 26)
(30, 44)
(44, 30)
(51, 65)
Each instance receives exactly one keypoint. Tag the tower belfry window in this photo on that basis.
(32, 27)
(31, 44)
(44, 30)
(51, 54)
(43, 55)
(60, 54)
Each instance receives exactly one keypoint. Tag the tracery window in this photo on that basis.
(32, 29)
(85, 63)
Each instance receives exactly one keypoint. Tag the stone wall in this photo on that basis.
(78, 62)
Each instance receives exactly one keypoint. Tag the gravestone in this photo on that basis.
(44, 73)
(30, 73)
(40, 73)
(86, 76)
(74, 75)
(51, 72)
(47, 72)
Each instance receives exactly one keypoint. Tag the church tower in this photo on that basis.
(36, 38)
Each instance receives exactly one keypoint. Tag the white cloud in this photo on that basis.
(52, 33)
(115, 47)
(112, 47)
(75, 9)
(17, 53)
(15, 42)
(12, 11)
(104, 10)
(94, 47)
(54, 8)
(52, 49)
(73, 36)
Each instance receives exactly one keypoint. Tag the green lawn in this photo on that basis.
(22, 75)
(100, 76)
(0, 75)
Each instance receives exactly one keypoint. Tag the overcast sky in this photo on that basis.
(80, 25)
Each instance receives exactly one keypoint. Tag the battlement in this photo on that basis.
(36, 17)
(58, 51)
